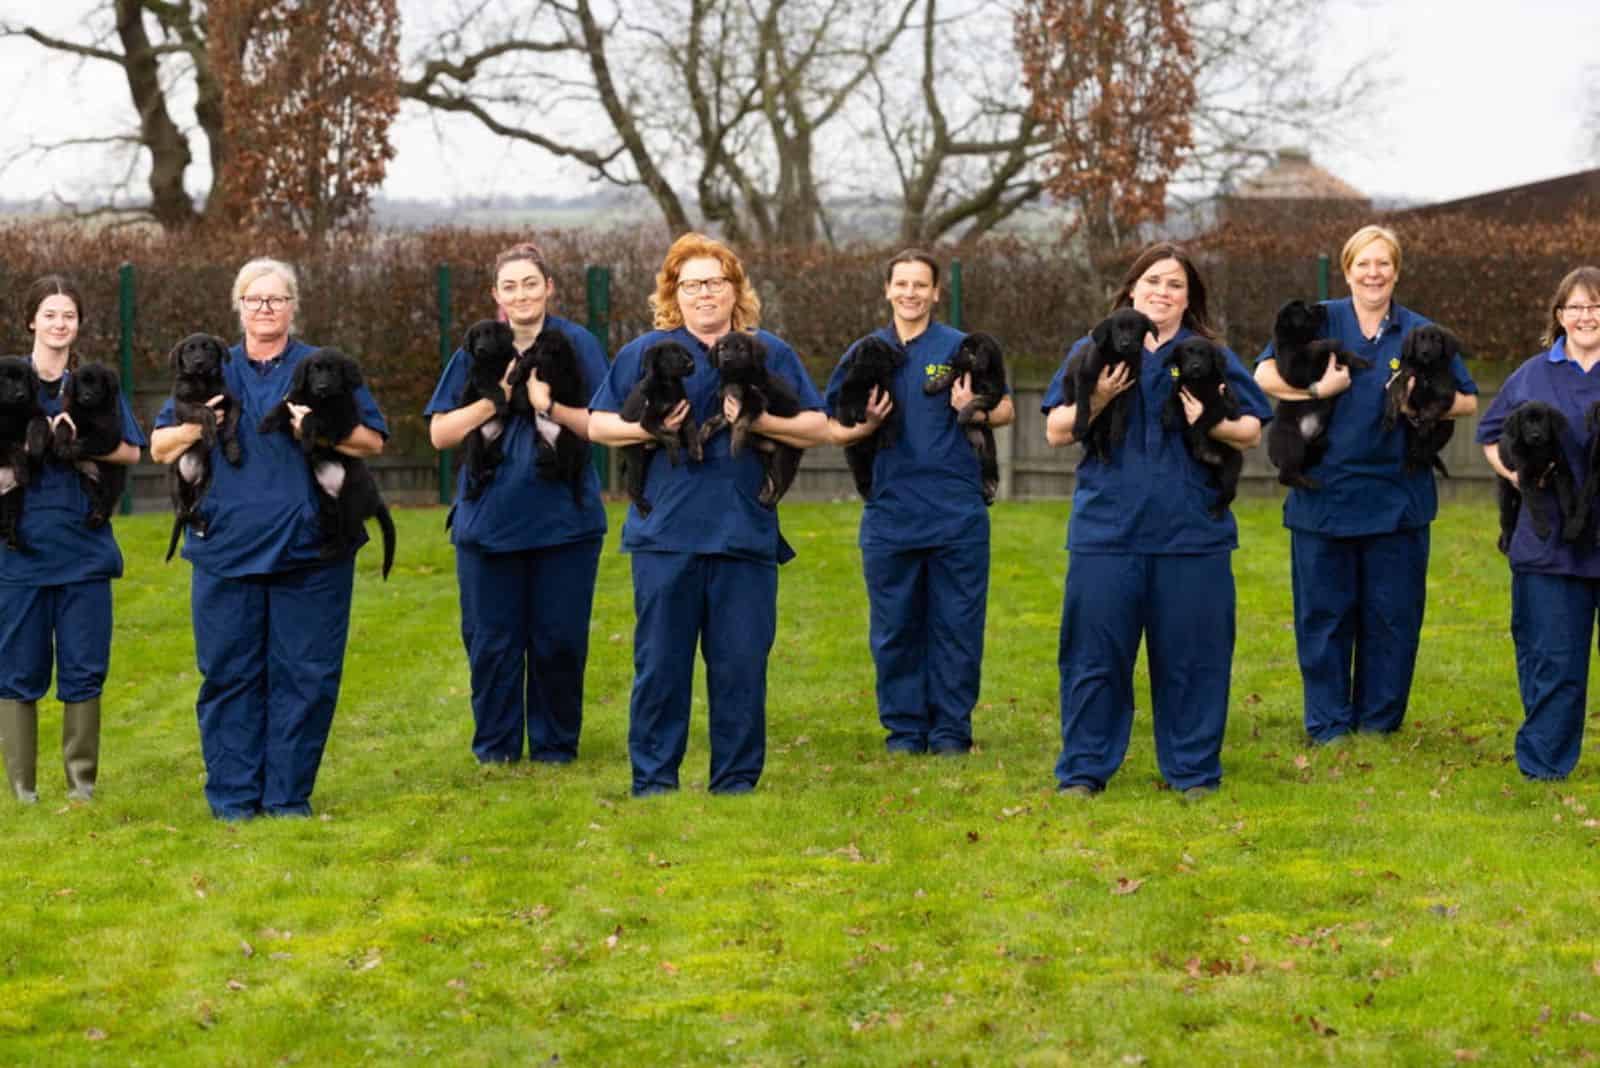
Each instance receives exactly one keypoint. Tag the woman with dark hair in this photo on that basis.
(1555, 584)
(1359, 542)
(705, 559)
(1146, 556)
(270, 612)
(57, 593)
(526, 551)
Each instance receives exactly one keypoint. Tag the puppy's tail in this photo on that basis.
(177, 530)
(386, 522)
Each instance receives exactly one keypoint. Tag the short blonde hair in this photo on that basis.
(260, 268)
(664, 301)
(1366, 236)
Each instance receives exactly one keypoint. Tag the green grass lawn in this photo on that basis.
(1399, 900)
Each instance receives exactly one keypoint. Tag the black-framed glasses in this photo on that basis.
(1581, 309)
(271, 304)
(693, 287)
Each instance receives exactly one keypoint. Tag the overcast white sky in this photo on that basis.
(1485, 94)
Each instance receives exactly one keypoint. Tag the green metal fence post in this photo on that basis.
(597, 296)
(1322, 276)
(125, 319)
(957, 313)
(442, 281)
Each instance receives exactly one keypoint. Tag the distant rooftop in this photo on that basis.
(1294, 177)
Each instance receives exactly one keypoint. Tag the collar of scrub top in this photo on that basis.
(1558, 352)
(1383, 324)
(266, 367)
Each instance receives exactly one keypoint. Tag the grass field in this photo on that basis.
(1399, 900)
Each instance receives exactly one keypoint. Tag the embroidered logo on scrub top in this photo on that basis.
(934, 370)
(1176, 373)
(1394, 363)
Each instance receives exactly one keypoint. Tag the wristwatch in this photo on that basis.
(1312, 389)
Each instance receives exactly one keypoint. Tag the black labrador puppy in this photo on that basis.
(873, 365)
(741, 362)
(24, 439)
(1199, 365)
(1116, 339)
(979, 355)
(1530, 446)
(197, 363)
(92, 401)
(1298, 437)
(1424, 378)
(563, 455)
(660, 389)
(491, 350)
(326, 382)
(1591, 481)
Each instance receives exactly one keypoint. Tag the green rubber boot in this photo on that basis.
(19, 743)
(80, 747)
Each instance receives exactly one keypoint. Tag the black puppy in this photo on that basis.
(1530, 446)
(1591, 481)
(91, 400)
(491, 350)
(1298, 437)
(979, 356)
(563, 455)
(24, 437)
(1425, 380)
(326, 382)
(741, 362)
(873, 364)
(1198, 365)
(197, 363)
(1116, 339)
(660, 389)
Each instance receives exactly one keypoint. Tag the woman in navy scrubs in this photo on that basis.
(526, 551)
(270, 615)
(1146, 556)
(1555, 586)
(58, 592)
(705, 560)
(925, 529)
(1359, 543)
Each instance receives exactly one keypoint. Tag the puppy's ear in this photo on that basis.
(220, 347)
(1101, 333)
(172, 359)
(352, 373)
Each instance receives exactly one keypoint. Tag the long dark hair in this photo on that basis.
(1196, 317)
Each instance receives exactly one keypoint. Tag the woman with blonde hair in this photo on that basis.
(1359, 542)
(270, 613)
(705, 560)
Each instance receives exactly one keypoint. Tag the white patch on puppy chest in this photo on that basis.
(330, 476)
(1310, 425)
(549, 429)
(492, 429)
(8, 480)
(191, 468)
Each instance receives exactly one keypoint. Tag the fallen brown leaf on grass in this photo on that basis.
(1127, 886)
(94, 1034)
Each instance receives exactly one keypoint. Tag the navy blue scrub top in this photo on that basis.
(1556, 379)
(54, 510)
(1152, 497)
(710, 507)
(262, 515)
(519, 509)
(1365, 486)
(927, 490)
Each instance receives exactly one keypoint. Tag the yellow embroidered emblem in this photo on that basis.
(1175, 373)
(1394, 363)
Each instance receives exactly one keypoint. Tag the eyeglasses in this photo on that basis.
(271, 304)
(1581, 309)
(693, 287)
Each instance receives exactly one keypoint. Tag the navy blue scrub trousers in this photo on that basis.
(928, 607)
(729, 607)
(76, 619)
(525, 623)
(1552, 624)
(1358, 605)
(271, 650)
(1184, 607)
